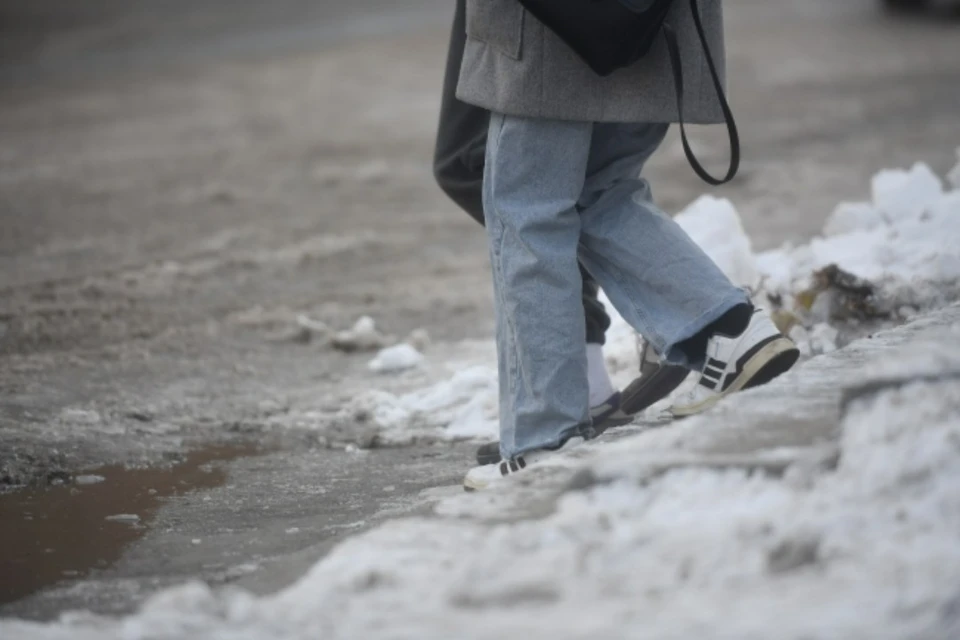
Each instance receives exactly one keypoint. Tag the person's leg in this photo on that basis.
(458, 163)
(662, 283)
(534, 175)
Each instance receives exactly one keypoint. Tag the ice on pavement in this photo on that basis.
(867, 549)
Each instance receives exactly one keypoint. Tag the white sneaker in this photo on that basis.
(482, 477)
(755, 357)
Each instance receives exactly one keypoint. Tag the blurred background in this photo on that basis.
(179, 179)
(139, 132)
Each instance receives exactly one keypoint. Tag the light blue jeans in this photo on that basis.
(555, 191)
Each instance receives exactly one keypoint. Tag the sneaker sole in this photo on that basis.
(471, 487)
(772, 361)
(651, 388)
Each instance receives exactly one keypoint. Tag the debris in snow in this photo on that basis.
(901, 244)
(124, 517)
(841, 295)
(790, 555)
(399, 357)
(140, 415)
(88, 479)
(363, 336)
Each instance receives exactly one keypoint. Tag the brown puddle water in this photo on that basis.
(60, 533)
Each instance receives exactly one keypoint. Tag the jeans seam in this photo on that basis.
(496, 225)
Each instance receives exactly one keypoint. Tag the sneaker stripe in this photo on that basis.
(711, 373)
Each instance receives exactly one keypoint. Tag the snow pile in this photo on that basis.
(903, 241)
(458, 407)
(866, 550)
(399, 357)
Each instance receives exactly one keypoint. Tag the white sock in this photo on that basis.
(601, 388)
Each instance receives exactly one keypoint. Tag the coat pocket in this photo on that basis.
(499, 23)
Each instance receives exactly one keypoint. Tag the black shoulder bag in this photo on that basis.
(612, 34)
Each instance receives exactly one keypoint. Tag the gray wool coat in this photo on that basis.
(512, 64)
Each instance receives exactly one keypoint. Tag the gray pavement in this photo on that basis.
(166, 169)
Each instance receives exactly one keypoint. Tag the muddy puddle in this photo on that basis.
(65, 532)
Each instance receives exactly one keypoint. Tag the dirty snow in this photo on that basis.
(363, 336)
(903, 240)
(461, 406)
(865, 547)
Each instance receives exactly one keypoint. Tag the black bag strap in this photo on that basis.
(734, 136)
